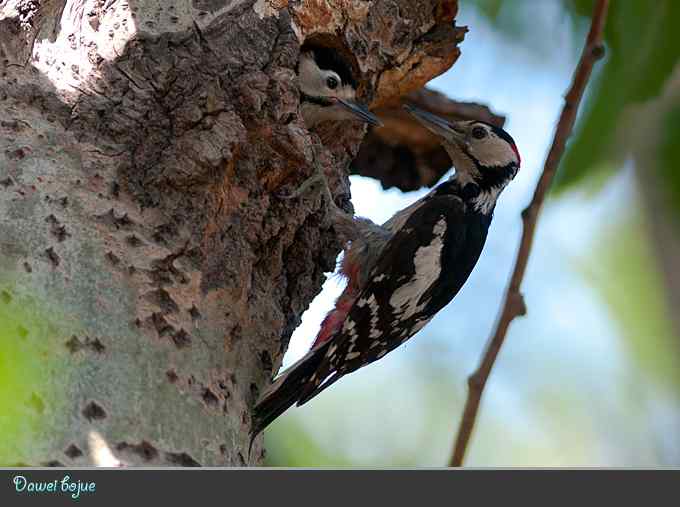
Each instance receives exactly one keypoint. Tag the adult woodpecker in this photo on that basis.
(402, 273)
(328, 89)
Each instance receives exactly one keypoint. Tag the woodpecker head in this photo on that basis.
(328, 89)
(482, 153)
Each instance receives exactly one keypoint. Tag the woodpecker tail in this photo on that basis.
(286, 389)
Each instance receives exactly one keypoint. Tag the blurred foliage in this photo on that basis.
(625, 272)
(643, 47)
(631, 111)
(28, 396)
(290, 445)
(549, 419)
(669, 151)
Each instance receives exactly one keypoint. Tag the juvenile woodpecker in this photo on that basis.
(328, 89)
(402, 273)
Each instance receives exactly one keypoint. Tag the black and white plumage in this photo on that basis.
(402, 275)
(328, 89)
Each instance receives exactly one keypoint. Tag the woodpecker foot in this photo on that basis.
(340, 218)
(315, 180)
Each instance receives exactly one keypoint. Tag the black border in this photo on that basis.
(323, 487)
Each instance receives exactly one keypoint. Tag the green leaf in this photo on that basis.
(642, 42)
(30, 400)
(670, 158)
(627, 275)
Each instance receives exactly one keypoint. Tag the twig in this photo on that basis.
(513, 304)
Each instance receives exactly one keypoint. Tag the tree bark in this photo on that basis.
(141, 147)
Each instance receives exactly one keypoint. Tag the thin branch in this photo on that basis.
(513, 304)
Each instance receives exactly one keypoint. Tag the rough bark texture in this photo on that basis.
(403, 153)
(141, 146)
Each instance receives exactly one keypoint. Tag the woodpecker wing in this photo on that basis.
(406, 288)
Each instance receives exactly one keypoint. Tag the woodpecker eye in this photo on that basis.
(332, 83)
(479, 132)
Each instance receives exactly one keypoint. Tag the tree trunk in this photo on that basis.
(150, 278)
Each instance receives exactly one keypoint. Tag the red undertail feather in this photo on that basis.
(519, 158)
(333, 321)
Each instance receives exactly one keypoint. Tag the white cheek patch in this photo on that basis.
(493, 152)
(309, 77)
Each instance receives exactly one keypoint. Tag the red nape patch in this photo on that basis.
(331, 324)
(351, 272)
(514, 148)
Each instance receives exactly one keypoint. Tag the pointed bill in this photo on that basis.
(360, 111)
(437, 125)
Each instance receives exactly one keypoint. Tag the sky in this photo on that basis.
(568, 343)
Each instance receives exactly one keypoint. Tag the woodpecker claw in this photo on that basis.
(307, 185)
(340, 218)
(318, 178)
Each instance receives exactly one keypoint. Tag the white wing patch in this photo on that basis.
(427, 264)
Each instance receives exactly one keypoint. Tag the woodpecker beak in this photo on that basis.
(449, 130)
(361, 112)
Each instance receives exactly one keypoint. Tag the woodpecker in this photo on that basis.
(328, 89)
(402, 273)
